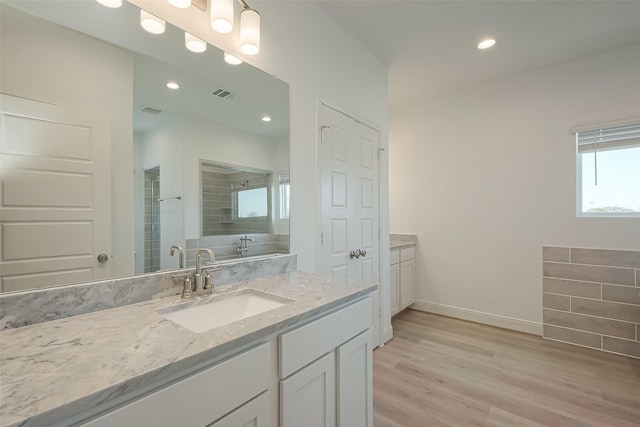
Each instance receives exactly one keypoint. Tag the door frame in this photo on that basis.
(330, 103)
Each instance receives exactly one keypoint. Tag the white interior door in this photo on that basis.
(52, 236)
(350, 243)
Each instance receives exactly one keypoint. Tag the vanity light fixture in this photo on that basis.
(232, 60)
(249, 31)
(173, 85)
(151, 23)
(266, 119)
(110, 3)
(180, 4)
(194, 44)
(486, 44)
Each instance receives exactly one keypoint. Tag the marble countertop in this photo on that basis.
(399, 244)
(54, 370)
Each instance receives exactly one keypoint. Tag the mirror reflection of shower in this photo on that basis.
(152, 220)
(235, 200)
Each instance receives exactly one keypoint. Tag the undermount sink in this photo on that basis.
(206, 314)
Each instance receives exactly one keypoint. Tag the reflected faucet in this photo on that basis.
(198, 277)
(243, 249)
(180, 254)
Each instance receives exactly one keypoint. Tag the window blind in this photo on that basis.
(611, 138)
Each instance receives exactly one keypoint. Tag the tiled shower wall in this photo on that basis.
(592, 298)
(217, 189)
(151, 220)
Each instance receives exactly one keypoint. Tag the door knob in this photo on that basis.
(354, 254)
(362, 252)
(102, 258)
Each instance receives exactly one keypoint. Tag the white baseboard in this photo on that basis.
(480, 317)
(387, 334)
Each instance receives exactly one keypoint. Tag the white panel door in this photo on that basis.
(355, 382)
(308, 397)
(52, 236)
(348, 155)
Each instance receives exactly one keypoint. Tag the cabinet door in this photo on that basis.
(308, 397)
(355, 382)
(395, 294)
(256, 413)
(407, 281)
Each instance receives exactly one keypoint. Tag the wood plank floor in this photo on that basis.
(439, 371)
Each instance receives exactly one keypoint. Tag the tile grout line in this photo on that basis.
(602, 336)
(591, 315)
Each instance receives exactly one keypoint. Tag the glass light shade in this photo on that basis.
(230, 59)
(110, 3)
(151, 23)
(194, 44)
(222, 15)
(180, 4)
(250, 32)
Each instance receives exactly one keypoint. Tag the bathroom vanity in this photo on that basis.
(403, 264)
(307, 362)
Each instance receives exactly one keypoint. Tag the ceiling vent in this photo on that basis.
(151, 110)
(223, 93)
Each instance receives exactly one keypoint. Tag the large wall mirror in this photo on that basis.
(104, 167)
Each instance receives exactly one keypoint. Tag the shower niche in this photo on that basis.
(235, 199)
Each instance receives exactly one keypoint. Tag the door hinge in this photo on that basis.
(322, 238)
(380, 150)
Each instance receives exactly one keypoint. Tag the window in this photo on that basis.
(252, 203)
(284, 195)
(608, 171)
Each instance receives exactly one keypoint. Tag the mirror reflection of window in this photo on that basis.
(251, 203)
(285, 188)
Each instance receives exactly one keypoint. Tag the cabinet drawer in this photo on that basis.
(394, 257)
(307, 343)
(201, 398)
(407, 254)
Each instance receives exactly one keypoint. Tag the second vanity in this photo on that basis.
(307, 362)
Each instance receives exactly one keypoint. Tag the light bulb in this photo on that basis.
(110, 3)
(250, 32)
(222, 15)
(194, 44)
(151, 23)
(230, 59)
(266, 119)
(180, 4)
(173, 85)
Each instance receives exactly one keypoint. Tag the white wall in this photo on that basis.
(45, 62)
(486, 176)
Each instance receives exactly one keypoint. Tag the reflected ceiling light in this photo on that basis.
(266, 119)
(180, 4)
(222, 15)
(110, 3)
(173, 85)
(194, 44)
(151, 23)
(230, 59)
(250, 31)
(486, 44)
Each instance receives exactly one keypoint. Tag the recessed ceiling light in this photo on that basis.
(230, 59)
(266, 119)
(486, 44)
(173, 85)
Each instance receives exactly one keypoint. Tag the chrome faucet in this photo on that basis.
(243, 249)
(198, 277)
(180, 254)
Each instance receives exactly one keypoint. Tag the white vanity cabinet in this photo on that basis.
(205, 397)
(326, 371)
(403, 262)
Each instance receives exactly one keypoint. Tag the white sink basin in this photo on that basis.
(207, 314)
